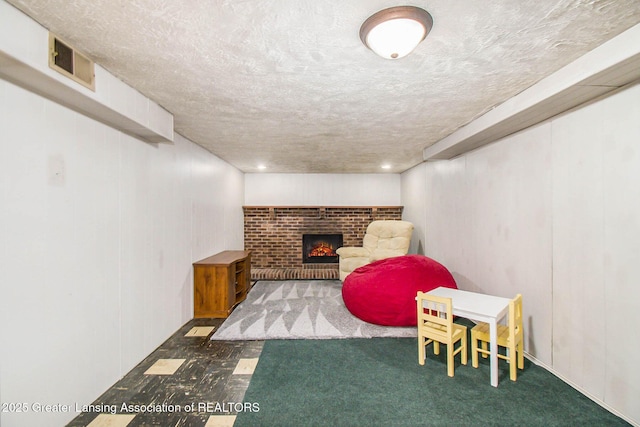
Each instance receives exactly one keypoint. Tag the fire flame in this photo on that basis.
(322, 249)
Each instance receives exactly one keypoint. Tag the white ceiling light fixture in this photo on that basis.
(395, 32)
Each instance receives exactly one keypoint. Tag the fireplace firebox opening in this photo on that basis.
(320, 248)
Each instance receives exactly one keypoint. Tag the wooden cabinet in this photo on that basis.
(220, 282)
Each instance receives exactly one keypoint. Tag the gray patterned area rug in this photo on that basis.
(299, 309)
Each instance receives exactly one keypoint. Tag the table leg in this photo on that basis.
(493, 348)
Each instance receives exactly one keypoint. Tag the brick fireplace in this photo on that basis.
(273, 234)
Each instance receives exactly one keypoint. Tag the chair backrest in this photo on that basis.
(435, 314)
(515, 318)
(388, 234)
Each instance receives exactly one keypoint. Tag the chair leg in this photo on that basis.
(463, 345)
(485, 347)
(520, 349)
(421, 345)
(474, 351)
(512, 363)
(450, 361)
(436, 347)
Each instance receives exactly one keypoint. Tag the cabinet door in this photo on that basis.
(213, 291)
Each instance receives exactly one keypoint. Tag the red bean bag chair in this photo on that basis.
(384, 292)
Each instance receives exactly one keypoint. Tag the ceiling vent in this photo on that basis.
(66, 60)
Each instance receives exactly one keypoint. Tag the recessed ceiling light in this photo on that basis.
(262, 167)
(395, 32)
(386, 166)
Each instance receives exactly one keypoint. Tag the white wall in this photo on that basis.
(98, 231)
(415, 204)
(273, 189)
(553, 213)
(596, 248)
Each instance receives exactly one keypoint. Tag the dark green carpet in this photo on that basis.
(378, 382)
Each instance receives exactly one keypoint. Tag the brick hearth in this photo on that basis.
(273, 234)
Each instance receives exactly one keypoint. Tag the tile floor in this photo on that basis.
(188, 381)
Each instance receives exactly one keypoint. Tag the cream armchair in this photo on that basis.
(383, 239)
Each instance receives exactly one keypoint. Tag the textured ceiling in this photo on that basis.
(288, 83)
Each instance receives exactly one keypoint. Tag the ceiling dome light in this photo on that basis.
(395, 32)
